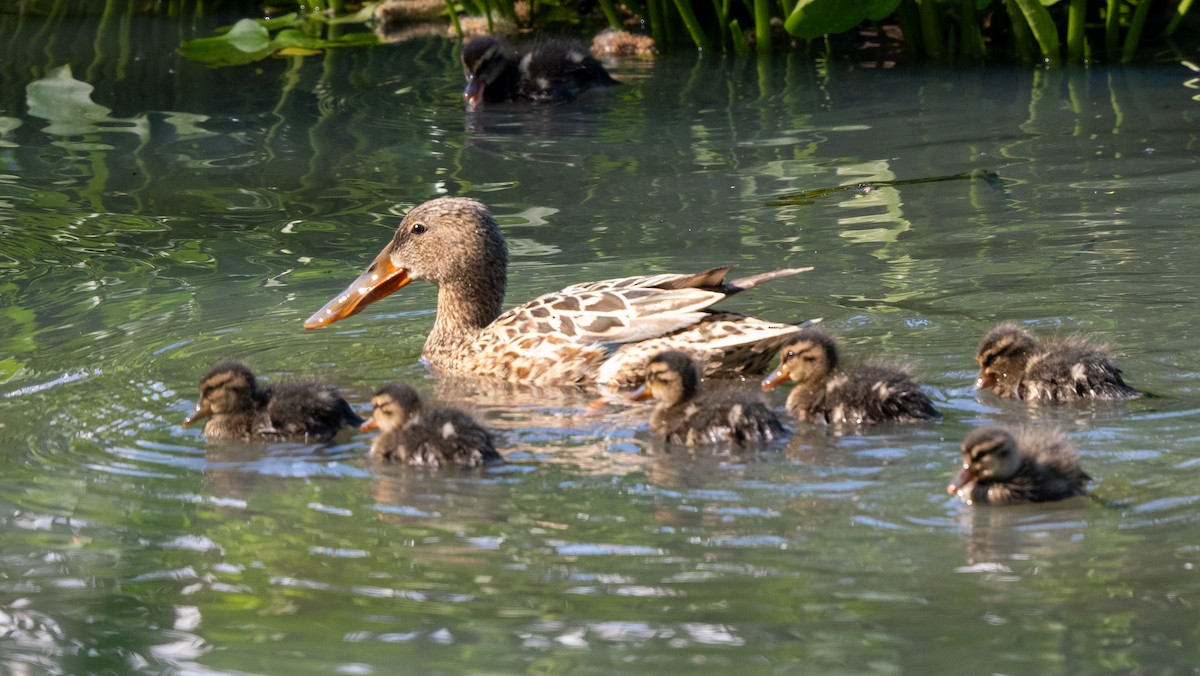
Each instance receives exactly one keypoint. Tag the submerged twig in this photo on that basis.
(808, 196)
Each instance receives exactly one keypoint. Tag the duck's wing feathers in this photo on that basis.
(629, 309)
(722, 343)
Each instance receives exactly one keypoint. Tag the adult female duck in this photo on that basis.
(598, 332)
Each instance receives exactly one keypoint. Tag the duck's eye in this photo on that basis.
(790, 355)
(418, 228)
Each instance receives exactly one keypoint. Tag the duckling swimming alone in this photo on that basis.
(238, 409)
(1015, 366)
(1002, 467)
(684, 415)
(550, 71)
(413, 434)
(862, 394)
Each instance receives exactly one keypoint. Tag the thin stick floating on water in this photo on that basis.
(808, 196)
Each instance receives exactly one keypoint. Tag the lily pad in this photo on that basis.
(250, 40)
(247, 42)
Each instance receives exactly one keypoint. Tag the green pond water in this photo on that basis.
(156, 215)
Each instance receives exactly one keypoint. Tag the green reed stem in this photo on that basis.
(740, 46)
(1022, 36)
(1043, 29)
(610, 13)
(657, 19)
(930, 29)
(1136, 24)
(762, 26)
(910, 23)
(1180, 10)
(692, 24)
(972, 38)
(454, 18)
(1076, 40)
(1112, 28)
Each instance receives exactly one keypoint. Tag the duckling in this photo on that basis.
(414, 434)
(1015, 366)
(1003, 467)
(550, 71)
(238, 409)
(684, 415)
(862, 394)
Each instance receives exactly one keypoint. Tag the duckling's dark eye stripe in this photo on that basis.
(983, 450)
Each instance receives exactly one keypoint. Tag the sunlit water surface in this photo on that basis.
(175, 215)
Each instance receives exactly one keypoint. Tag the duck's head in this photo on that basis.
(1002, 356)
(806, 360)
(392, 407)
(452, 242)
(484, 59)
(988, 454)
(671, 377)
(229, 387)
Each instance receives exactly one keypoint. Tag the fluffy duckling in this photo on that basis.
(862, 394)
(684, 415)
(1002, 467)
(550, 71)
(238, 409)
(1015, 366)
(413, 434)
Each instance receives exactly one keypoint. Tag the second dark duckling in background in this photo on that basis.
(550, 71)
(415, 434)
(239, 410)
(861, 394)
(684, 415)
(1015, 366)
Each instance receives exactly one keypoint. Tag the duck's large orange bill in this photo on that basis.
(202, 411)
(774, 380)
(964, 477)
(380, 279)
(640, 394)
(369, 425)
(985, 381)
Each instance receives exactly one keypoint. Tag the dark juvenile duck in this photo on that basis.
(684, 415)
(594, 332)
(1015, 366)
(413, 434)
(550, 71)
(1002, 467)
(238, 409)
(861, 394)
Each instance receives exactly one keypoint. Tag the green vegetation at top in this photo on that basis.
(942, 31)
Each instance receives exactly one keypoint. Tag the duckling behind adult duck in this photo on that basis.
(861, 394)
(592, 332)
(414, 434)
(1003, 467)
(684, 415)
(550, 71)
(238, 409)
(1015, 366)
